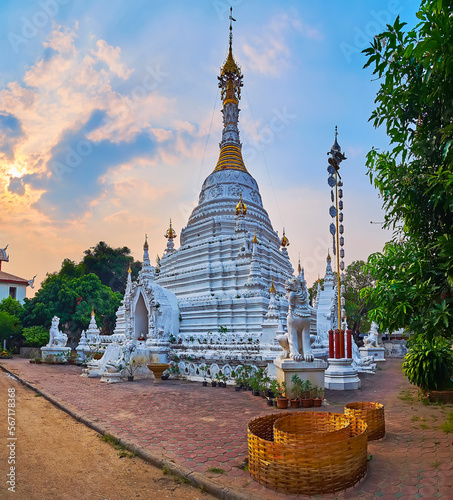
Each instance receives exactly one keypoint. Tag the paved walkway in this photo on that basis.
(205, 428)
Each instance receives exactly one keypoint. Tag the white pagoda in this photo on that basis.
(219, 298)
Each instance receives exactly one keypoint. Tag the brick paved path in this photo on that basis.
(204, 427)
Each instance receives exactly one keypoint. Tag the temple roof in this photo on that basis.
(10, 278)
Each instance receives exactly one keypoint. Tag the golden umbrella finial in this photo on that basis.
(171, 233)
(255, 239)
(272, 287)
(284, 241)
(241, 207)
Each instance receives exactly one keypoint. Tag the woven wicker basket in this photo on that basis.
(372, 414)
(311, 427)
(312, 466)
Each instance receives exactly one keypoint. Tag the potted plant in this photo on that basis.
(247, 376)
(5, 354)
(222, 378)
(298, 387)
(317, 398)
(255, 383)
(235, 375)
(280, 389)
(307, 401)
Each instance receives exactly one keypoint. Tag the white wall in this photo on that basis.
(21, 291)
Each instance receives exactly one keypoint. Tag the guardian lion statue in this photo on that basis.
(56, 338)
(296, 342)
(371, 340)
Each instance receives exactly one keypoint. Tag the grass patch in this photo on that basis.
(406, 396)
(424, 426)
(122, 450)
(38, 396)
(216, 470)
(447, 426)
(435, 464)
(178, 479)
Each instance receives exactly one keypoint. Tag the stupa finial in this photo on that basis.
(145, 245)
(241, 207)
(230, 83)
(284, 242)
(272, 287)
(170, 234)
(255, 239)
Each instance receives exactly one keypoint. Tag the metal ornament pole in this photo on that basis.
(338, 248)
(334, 179)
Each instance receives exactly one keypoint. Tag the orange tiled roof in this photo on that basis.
(10, 278)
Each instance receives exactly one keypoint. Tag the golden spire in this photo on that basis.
(241, 207)
(129, 270)
(92, 310)
(272, 288)
(230, 83)
(284, 241)
(328, 255)
(145, 245)
(299, 268)
(255, 239)
(170, 234)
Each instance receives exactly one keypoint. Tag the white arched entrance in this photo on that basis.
(141, 320)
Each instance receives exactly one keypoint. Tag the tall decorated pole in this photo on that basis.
(334, 180)
(340, 374)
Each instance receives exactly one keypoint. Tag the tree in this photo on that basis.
(357, 277)
(72, 299)
(11, 306)
(36, 336)
(10, 329)
(110, 265)
(414, 274)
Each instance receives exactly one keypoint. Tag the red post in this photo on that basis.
(331, 346)
(349, 343)
(337, 344)
(342, 344)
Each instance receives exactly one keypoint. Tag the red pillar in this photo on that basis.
(337, 344)
(349, 344)
(342, 344)
(331, 346)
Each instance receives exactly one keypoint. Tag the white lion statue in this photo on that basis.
(296, 342)
(371, 340)
(56, 338)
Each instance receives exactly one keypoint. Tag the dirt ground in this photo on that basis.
(60, 458)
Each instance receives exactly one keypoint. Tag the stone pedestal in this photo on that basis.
(314, 372)
(377, 353)
(111, 378)
(62, 352)
(341, 376)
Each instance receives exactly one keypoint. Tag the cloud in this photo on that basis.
(111, 56)
(270, 54)
(10, 133)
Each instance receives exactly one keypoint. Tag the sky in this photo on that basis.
(110, 120)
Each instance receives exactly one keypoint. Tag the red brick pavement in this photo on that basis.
(202, 428)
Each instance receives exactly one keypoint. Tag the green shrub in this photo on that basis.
(35, 336)
(429, 363)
